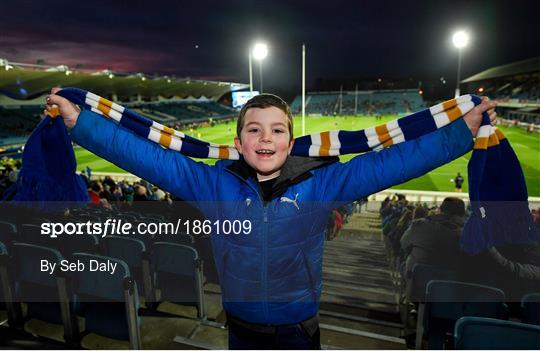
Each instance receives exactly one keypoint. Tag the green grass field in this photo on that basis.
(526, 146)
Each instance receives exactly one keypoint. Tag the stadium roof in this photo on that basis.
(521, 67)
(24, 83)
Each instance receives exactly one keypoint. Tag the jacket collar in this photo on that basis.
(295, 170)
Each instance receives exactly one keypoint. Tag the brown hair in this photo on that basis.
(265, 101)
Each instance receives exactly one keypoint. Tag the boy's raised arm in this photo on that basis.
(369, 173)
(178, 174)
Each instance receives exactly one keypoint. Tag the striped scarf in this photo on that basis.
(497, 190)
(332, 143)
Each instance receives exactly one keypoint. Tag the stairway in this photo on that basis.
(358, 303)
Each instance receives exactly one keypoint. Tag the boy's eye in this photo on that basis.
(253, 130)
(279, 131)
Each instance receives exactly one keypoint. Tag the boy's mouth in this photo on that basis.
(265, 152)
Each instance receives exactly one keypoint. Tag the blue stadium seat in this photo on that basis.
(70, 244)
(8, 233)
(46, 295)
(133, 253)
(178, 274)
(530, 306)
(492, 334)
(421, 275)
(447, 301)
(31, 234)
(6, 289)
(110, 302)
(183, 239)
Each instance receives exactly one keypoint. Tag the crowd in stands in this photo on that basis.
(416, 235)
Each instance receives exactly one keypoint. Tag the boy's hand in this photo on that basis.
(68, 110)
(473, 118)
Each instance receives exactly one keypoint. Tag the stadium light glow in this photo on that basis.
(260, 51)
(460, 39)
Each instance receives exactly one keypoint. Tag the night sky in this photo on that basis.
(210, 39)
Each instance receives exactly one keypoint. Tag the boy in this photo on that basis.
(271, 279)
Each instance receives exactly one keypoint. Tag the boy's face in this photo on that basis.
(264, 141)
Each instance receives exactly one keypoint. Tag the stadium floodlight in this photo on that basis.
(460, 40)
(259, 52)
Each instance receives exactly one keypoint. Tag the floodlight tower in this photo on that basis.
(260, 51)
(460, 40)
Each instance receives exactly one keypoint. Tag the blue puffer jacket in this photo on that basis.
(274, 274)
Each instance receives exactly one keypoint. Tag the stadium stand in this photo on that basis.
(361, 102)
(478, 285)
(186, 111)
(517, 88)
(173, 102)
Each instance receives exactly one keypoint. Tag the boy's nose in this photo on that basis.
(266, 137)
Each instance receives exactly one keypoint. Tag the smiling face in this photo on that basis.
(265, 140)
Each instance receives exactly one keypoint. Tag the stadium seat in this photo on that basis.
(178, 274)
(46, 295)
(530, 306)
(31, 234)
(6, 289)
(109, 302)
(447, 301)
(133, 253)
(183, 239)
(70, 244)
(8, 232)
(421, 275)
(493, 334)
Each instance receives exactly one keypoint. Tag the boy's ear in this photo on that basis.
(238, 144)
(291, 143)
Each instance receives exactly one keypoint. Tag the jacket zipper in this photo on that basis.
(265, 262)
(264, 270)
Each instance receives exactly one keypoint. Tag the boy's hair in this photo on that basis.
(265, 101)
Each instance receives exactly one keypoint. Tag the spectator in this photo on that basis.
(140, 193)
(434, 240)
(93, 193)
